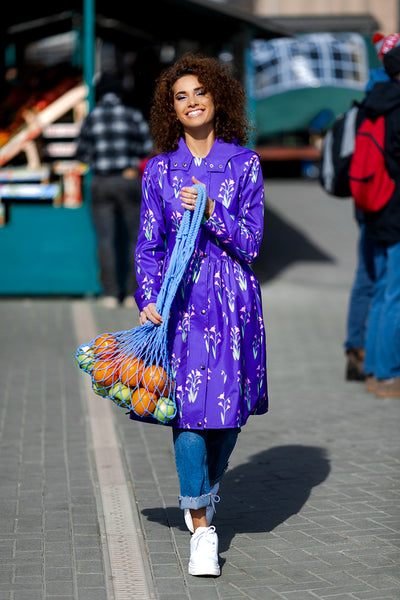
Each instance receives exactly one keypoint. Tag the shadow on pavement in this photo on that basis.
(267, 490)
(283, 245)
(260, 494)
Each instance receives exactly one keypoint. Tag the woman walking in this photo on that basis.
(216, 333)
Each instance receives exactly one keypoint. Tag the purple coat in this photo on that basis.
(216, 332)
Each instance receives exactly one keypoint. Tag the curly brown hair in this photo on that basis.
(231, 119)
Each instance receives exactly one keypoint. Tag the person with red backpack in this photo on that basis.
(382, 223)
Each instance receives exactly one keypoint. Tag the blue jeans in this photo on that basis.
(382, 351)
(201, 459)
(361, 293)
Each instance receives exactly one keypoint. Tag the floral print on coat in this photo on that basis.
(216, 332)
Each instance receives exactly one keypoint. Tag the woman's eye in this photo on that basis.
(200, 93)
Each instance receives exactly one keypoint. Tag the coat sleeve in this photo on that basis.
(84, 149)
(151, 245)
(241, 234)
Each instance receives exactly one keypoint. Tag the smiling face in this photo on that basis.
(193, 105)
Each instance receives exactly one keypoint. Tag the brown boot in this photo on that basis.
(388, 388)
(355, 364)
(371, 383)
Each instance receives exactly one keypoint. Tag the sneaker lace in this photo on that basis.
(208, 535)
(214, 500)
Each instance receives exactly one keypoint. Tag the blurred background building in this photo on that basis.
(300, 14)
(331, 13)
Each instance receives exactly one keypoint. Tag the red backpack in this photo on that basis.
(370, 183)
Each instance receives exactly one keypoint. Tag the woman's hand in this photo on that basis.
(149, 313)
(189, 198)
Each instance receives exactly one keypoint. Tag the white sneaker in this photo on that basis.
(204, 552)
(209, 512)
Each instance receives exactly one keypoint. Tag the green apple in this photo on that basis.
(121, 392)
(86, 358)
(100, 390)
(164, 410)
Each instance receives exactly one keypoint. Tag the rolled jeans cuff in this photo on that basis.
(194, 502)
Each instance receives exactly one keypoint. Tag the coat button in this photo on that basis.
(199, 424)
(211, 165)
(202, 367)
(203, 312)
(221, 167)
(175, 164)
(185, 164)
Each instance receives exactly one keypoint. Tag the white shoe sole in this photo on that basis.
(208, 568)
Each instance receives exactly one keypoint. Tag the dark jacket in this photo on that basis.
(384, 99)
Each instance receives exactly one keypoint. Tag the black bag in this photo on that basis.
(337, 152)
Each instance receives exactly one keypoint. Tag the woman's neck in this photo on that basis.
(200, 147)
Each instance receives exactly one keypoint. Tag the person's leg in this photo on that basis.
(361, 293)
(191, 463)
(202, 459)
(359, 304)
(129, 194)
(192, 468)
(380, 266)
(388, 338)
(103, 215)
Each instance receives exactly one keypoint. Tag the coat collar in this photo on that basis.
(216, 160)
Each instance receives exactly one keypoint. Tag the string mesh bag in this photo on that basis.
(132, 367)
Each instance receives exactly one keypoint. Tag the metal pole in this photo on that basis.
(89, 47)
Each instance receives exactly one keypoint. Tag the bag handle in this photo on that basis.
(182, 252)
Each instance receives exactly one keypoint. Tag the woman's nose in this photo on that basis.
(192, 100)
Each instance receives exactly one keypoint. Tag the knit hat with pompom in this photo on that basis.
(388, 50)
(384, 44)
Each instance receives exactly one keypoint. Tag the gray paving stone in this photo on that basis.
(204, 592)
(90, 566)
(92, 594)
(30, 595)
(58, 574)
(48, 597)
(168, 596)
(392, 594)
(171, 586)
(88, 553)
(90, 580)
(62, 588)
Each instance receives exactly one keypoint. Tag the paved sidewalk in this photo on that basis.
(310, 505)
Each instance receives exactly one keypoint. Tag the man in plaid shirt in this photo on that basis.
(112, 141)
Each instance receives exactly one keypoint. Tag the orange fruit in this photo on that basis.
(143, 402)
(104, 372)
(130, 371)
(155, 379)
(105, 345)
